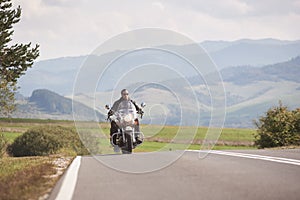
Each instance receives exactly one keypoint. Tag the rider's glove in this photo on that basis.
(141, 112)
(110, 113)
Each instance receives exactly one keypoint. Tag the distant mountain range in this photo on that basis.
(256, 75)
(58, 75)
(251, 52)
(250, 91)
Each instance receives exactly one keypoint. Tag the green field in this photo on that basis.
(11, 136)
(156, 137)
(27, 177)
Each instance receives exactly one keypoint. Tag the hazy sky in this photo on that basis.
(77, 27)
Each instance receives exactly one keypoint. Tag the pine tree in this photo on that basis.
(14, 59)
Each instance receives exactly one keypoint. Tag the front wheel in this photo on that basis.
(127, 149)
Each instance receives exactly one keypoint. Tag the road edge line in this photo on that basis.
(68, 185)
(253, 156)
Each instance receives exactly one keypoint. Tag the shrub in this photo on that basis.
(46, 140)
(280, 127)
(3, 145)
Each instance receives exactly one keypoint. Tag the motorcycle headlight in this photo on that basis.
(128, 118)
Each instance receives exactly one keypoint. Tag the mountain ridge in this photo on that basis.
(289, 70)
(250, 89)
(52, 74)
(46, 104)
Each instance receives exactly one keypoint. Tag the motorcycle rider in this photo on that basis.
(116, 106)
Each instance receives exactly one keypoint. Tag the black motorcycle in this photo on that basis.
(127, 137)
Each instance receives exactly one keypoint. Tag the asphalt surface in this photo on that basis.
(216, 176)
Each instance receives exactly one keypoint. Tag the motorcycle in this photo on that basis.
(128, 136)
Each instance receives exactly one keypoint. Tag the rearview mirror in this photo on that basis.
(143, 104)
(107, 107)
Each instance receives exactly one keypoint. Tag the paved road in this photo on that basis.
(218, 176)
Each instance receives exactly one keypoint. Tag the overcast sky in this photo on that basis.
(77, 27)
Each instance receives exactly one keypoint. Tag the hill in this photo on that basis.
(45, 104)
(284, 71)
(256, 75)
(58, 75)
(250, 91)
(251, 52)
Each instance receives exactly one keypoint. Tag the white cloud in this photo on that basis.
(217, 8)
(65, 27)
(159, 5)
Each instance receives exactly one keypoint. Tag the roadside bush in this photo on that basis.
(279, 127)
(46, 140)
(3, 145)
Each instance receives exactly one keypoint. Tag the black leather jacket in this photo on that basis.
(117, 103)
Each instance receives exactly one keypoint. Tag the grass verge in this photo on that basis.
(27, 177)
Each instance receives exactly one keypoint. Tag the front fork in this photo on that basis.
(123, 135)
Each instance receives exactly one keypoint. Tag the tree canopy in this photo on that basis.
(15, 59)
(279, 127)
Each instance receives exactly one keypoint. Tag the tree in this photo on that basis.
(280, 127)
(14, 59)
(3, 145)
(7, 99)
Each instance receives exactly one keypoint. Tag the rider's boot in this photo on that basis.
(138, 139)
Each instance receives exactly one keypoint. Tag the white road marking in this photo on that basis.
(254, 156)
(68, 186)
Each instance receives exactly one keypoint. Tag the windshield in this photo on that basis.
(126, 107)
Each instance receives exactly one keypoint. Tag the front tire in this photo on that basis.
(127, 149)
